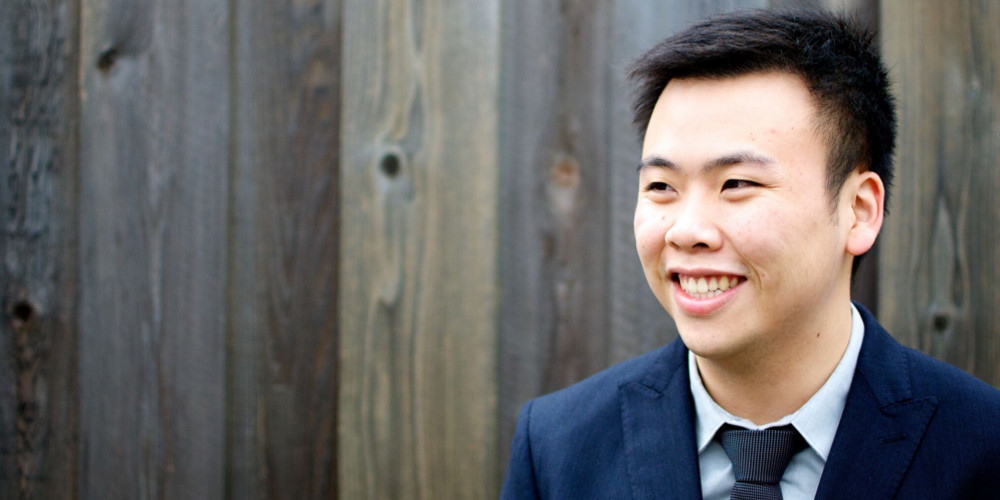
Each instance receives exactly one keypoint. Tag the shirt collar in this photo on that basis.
(816, 420)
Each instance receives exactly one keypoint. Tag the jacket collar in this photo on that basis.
(879, 431)
(882, 424)
(658, 425)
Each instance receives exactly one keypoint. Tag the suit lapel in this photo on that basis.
(658, 425)
(882, 423)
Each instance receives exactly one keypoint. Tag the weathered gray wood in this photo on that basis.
(282, 329)
(638, 321)
(554, 205)
(153, 198)
(38, 398)
(418, 293)
(940, 261)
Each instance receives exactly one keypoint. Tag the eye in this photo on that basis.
(658, 187)
(738, 183)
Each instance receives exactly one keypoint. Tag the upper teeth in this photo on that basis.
(703, 287)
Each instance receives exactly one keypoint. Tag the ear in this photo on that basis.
(865, 195)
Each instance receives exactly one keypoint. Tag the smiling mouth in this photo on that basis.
(706, 287)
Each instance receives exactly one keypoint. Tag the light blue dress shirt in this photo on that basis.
(816, 421)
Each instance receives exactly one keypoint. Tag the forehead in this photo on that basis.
(757, 110)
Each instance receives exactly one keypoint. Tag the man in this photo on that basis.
(765, 170)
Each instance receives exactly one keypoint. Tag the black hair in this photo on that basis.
(836, 56)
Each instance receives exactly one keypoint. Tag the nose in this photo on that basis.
(694, 228)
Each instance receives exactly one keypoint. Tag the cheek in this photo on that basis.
(760, 235)
(649, 234)
(774, 240)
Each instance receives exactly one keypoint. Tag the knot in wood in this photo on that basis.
(565, 172)
(390, 164)
(107, 59)
(940, 321)
(22, 312)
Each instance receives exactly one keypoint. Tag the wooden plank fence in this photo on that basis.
(940, 256)
(327, 248)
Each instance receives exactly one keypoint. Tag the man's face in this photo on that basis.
(733, 223)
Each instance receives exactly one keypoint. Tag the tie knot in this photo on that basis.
(760, 457)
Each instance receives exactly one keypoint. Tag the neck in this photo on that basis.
(765, 385)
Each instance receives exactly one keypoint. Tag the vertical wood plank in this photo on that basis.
(638, 321)
(554, 207)
(940, 261)
(153, 203)
(419, 174)
(282, 329)
(38, 155)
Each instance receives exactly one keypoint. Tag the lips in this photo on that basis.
(702, 293)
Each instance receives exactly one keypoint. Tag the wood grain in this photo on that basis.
(282, 363)
(153, 201)
(554, 208)
(38, 392)
(419, 174)
(939, 261)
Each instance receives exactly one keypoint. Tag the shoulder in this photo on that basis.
(931, 421)
(958, 393)
(962, 426)
(596, 398)
(589, 413)
(919, 375)
(901, 372)
(933, 375)
(961, 443)
(570, 443)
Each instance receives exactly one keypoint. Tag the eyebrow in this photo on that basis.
(727, 160)
(656, 161)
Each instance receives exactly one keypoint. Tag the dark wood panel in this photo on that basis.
(38, 393)
(283, 255)
(418, 294)
(939, 258)
(554, 208)
(153, 198)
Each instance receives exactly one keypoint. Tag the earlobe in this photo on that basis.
(867, 201)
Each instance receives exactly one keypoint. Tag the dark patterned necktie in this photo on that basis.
(759, 459)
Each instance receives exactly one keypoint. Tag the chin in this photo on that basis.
(704, 344)
(713, 342)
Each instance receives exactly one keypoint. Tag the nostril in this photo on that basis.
(693, 232)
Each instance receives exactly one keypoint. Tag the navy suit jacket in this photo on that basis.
(912, 427)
